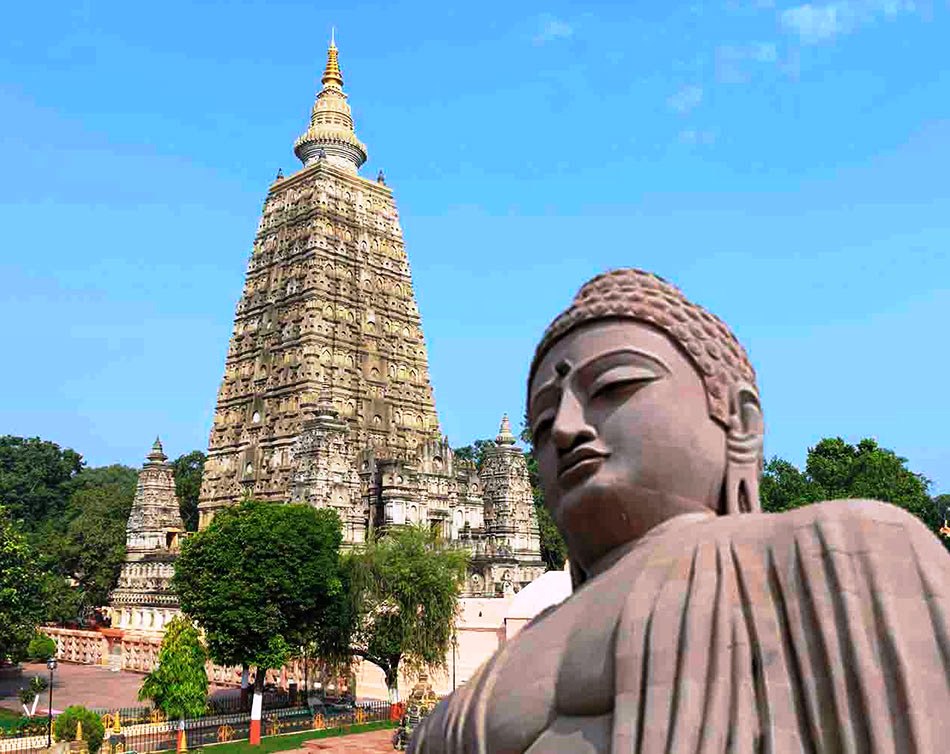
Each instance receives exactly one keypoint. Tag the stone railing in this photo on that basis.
(82, 647)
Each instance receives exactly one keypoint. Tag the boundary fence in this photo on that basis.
(220, 704)
(147, 737)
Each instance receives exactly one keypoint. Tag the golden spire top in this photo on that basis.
(331, 135)
(332, 72)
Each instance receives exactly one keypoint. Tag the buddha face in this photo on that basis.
(623, 435)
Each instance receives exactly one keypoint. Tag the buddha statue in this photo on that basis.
(697, 623)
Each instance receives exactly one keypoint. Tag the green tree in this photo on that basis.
(942, 503)
(179, 684)
(474, 453)
(835, 469)
(93, 547)
(258, 577)
(553, 547)
(34, 478)
(21, 591)
(188, 470)
(404, 589)
(783, 487)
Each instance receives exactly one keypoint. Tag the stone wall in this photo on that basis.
(139, 653)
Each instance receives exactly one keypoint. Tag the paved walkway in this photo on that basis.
(375, 742)
(88, 685)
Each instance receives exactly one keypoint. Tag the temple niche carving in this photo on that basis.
(326, 397)
(143, 599)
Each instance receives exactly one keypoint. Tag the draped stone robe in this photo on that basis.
(824, 629)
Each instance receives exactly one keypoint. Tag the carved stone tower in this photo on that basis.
(143, 599)
(511, 525)
(326, 396)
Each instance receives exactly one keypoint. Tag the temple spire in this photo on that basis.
(331, 123)
(505, 437)
(157, 454)
(332, 73)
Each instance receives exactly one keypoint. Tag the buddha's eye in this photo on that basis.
(540, 429)
(618, 388)
(621, 381)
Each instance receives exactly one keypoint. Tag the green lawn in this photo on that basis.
(291, 740)
(8, 718)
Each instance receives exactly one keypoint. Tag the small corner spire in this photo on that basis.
(505, 437)
(157, 454)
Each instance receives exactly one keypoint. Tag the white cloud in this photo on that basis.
(731, 60)
(551, 28)
(820, 23)
(815, 23)
(759, 52)
(686, 99)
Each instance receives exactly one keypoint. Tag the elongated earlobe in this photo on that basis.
(744, 443)
(578, 576)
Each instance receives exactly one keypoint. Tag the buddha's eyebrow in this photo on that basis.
(587, 370)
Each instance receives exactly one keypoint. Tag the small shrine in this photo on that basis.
(143, 599)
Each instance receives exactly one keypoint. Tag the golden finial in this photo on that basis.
(332, 73)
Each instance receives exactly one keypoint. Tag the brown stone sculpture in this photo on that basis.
(698, 623)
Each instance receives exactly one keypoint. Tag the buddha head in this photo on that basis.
(642, 406)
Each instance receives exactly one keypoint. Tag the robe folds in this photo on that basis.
(820, 630)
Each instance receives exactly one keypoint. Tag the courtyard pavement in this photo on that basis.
(375, 742)
(88, 685)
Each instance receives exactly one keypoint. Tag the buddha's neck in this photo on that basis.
(606, 562)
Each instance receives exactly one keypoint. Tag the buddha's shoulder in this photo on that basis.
(858, 516)
(854, 511)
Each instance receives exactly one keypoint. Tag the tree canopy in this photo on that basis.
(93, 546)
(943, 506)
(835, 469)
(179, 683)
(258, 577)
(404, 589)
(553, 548)
(474, 453)
(34, 478)
(74, 518)
(188, 470)
(21, 591)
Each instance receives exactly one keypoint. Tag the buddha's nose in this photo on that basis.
(570, 427)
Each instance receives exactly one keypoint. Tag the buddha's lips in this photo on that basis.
(576, 457)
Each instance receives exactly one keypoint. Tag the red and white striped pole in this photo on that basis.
(182, 740)
(256, 707)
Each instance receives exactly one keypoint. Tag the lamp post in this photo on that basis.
(51, 664)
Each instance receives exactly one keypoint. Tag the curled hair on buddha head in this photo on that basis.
(708, 344)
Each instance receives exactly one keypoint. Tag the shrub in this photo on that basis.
(31, 727)
(36, 687)
(41, 647)
(92, 729)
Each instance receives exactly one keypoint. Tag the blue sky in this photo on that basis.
(785, 164)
